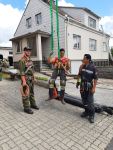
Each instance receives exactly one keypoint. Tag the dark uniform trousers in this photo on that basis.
(88, 102)
(88, 73)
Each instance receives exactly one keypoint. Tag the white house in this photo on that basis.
(7, 53)
(79, 34)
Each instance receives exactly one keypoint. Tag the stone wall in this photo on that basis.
(105, 72)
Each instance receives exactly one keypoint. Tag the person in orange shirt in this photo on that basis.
(61, 68)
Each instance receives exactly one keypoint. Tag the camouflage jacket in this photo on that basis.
(26, 66)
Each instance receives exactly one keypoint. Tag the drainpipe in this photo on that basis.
(39, 50)
(108, 48)
(110, 51)
(66, 33)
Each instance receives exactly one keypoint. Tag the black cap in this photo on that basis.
(88, 56)
(27, 48)
(62, 49)
(1, 57)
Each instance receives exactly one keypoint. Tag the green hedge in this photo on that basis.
(42, 78)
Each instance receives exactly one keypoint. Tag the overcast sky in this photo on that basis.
(11, 12)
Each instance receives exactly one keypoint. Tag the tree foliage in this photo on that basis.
(112, 51)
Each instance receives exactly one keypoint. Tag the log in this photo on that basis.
(76, 101)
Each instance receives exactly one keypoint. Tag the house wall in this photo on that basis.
(85, 34)
(45, 48)
(34, 7)
(77, 14)
(18, 55)
(5, 53)
(86, 16)
(77, 55)
(66, 31)
(80, 15)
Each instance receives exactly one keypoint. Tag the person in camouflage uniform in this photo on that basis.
(27, 80)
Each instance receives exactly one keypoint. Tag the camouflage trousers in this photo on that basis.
(29, 100)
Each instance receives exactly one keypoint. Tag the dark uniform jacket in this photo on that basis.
(88, 73)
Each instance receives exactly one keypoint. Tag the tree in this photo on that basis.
(112, 51)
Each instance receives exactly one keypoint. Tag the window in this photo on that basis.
(76, 41)
(91, 22)
(10, 52)
(104, 47)
(19, 46)
(92, 44)
(28, 22)
(38, 18)
(31, 42)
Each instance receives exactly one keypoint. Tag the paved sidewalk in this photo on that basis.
(53, 127)
(110, 145)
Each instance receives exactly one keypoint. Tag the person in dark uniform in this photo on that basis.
(88, 76)
(27, 80)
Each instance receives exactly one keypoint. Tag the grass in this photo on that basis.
(42, 78)
(7, 76)
(4, 76)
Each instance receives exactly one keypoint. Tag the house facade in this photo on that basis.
(7, 53)
(78, 29)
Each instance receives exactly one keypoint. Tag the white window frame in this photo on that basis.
(104, 46)
(38, 18)
(29, 22)
(92, 44)
(31, 42)
(18, 46)
(91, 22)
(76, 42)
(10, 52)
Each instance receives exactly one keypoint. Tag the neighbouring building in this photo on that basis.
(79, 34)
(7, 53)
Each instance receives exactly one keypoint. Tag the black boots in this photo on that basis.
(84, 115)
(91, 119)
(51, 93)
(61, 98)
(62, 101)
(28, 111)
(35, 107)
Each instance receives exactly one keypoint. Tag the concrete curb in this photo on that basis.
(42, 83)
